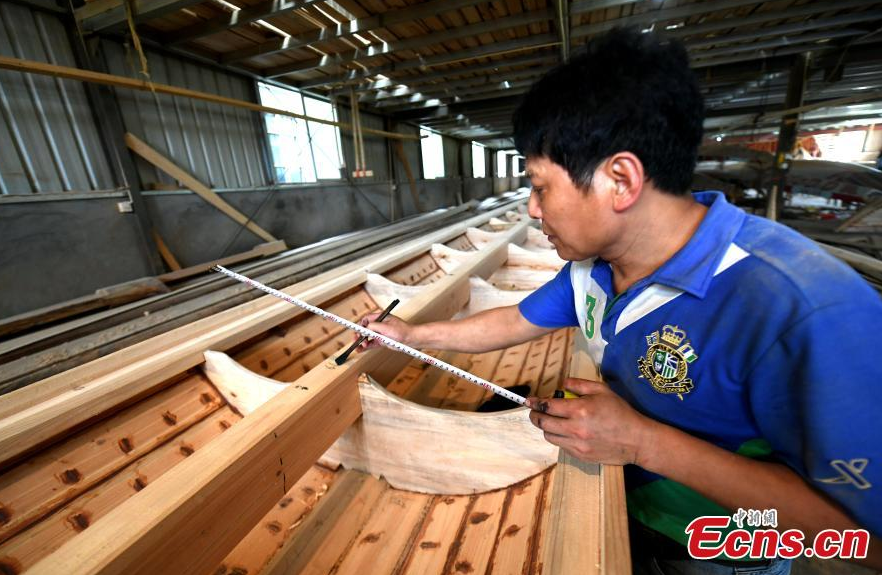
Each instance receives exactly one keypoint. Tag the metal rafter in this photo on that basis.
(461, 94)
(390, 85)
(446, 87)
(781, 30)
(520, 44)
(336, 60)
(763, 17)
(103, 14)
(265, 9)
(583, 6)
(562, 23)
(661, 15)
(346, 29)
(780, 42)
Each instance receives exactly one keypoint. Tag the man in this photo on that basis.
(738, 358)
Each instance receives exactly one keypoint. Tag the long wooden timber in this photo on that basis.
(162, 487)
(39, 412)
(37, 356)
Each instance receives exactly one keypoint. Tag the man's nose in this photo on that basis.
(533, 207)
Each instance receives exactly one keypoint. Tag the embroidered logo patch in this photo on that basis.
(667, 360)
(849, 472)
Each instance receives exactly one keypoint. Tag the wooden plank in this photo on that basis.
(434, 384)
(33, 67)
(105, 297)
(553, 368)
(572, 544)
(257, 549)
(387, 535)
(293, 341)
(405, 380)
(517, 527)
(258, 251)
(144, 150)
(615, 547)
(31, 490)
(30, 546)
(412, 272)
(167, 256)
(326, 534)
(465, 396)
(587, 506)
(174, 526)
(382, 443)
(479, 537)
(438, 535)
(532, 371)
(34, 415)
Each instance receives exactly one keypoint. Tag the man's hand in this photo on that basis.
(393, 327)
(599, 426)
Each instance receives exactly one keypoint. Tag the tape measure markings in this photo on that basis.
(386, 341)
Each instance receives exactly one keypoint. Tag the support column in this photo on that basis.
(796, 84)
(110, 123)
(562, 23)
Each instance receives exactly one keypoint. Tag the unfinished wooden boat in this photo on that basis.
(237, 445)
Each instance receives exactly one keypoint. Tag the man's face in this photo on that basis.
(575, 221)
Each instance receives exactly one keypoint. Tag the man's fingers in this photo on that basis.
(549, 424)
(584, 386)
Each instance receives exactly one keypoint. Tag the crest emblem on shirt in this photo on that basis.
(666, 364)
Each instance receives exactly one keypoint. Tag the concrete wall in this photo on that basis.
(68, 246)
(64, 248)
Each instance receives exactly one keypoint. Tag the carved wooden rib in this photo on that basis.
(411, 446)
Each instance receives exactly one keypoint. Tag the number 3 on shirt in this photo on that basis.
(590, 302)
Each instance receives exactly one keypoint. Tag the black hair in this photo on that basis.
(626, 91)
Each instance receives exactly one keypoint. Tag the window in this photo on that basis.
(479, 161)
(519, 165)
(433, 154)
(501, 165)
(326, 150)
(843, 146)
(302, 151)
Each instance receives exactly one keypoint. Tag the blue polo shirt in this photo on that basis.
(750, 337)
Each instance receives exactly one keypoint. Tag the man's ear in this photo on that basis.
(624, 171)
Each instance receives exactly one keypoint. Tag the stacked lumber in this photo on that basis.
(145, 461)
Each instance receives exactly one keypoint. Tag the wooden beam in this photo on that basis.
(152, 156)
(105, 297)
(174, 526)
(167, 256)
(414, 193)
(42, 68)
(34, 415)
(193, 515)
(588, 527)
(258, 251)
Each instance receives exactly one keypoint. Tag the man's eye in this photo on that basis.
(538, 190)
